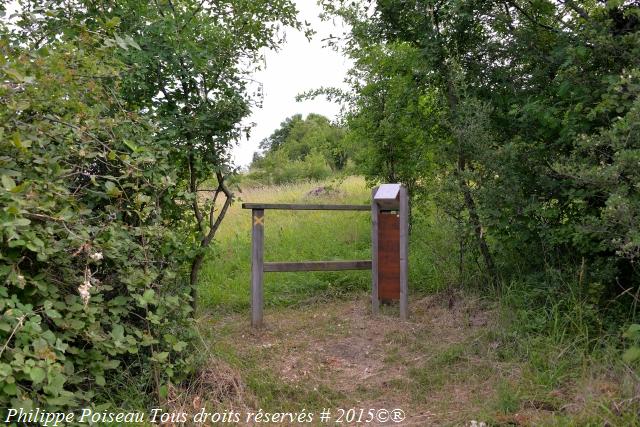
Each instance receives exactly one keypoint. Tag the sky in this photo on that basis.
(299, 65)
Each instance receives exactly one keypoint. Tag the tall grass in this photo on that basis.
(290, 236)
(317, 235)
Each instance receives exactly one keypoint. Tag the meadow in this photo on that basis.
(309, 236)
(464, 355)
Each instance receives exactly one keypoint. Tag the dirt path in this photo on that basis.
(440, 368)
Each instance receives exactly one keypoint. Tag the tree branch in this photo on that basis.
(222, 187)
(530, 18)
(577, 9)
(193, 187)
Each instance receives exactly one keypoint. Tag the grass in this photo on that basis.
(314, 235)
(289, 236)
(527, 357)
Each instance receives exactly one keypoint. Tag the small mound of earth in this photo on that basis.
(322, 191)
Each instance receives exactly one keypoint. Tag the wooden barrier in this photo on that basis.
(389, 265)
(317, 266)
(259, 267)
(300, 207)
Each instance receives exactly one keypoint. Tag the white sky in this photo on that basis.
(298, 66)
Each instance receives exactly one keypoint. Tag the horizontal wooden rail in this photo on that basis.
(302, 207)
(317, 266)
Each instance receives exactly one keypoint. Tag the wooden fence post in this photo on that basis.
(257, 267)
(375, 211)
(404, 253)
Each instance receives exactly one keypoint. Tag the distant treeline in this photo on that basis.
(310, 148)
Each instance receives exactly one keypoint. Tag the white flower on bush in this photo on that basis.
(83, 289)
(84, 292)
(96, 256)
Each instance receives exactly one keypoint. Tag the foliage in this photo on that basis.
(190, 76)
(277, 168)
(116, 112)
(301, 149)
(91, 266)
(531, 134)
(279, 136)
(396, 122)
(191, 73)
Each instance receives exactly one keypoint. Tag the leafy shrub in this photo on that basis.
(277, 168)
(88, 262)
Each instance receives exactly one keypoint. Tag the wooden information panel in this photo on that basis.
(389, 262)
(388, 256)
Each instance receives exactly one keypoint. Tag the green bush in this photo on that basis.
(89, 264)
(277, 168)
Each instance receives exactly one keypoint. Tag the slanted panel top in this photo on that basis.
(388, 196)
(387, 192)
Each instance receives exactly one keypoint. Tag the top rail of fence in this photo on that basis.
(306, 207)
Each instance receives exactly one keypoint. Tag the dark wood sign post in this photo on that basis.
(390, 247)
(388, 261)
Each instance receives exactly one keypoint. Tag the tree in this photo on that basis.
(280, 135)
(526, 91)
(395, 124)
(190, 76)
(312, 143)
